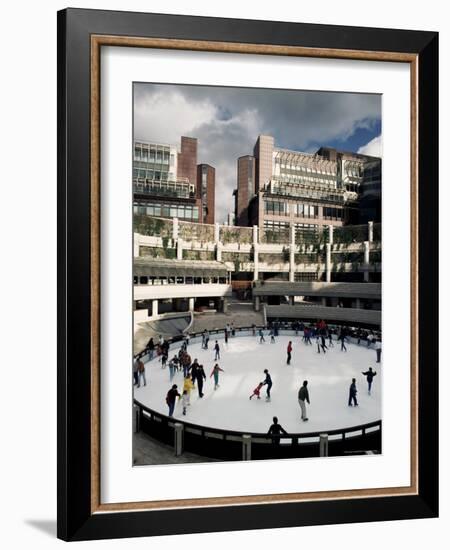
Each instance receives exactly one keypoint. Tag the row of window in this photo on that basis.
(278, 208)
(182, 211)
(158, 281)
(330, 213)
(152, 175)
(153, 156)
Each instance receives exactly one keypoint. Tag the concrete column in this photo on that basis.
(255, 235)
(136, 246)
(291, 263)
(330, 234)
(323, 444)
(257, 303)
(175, 228)
(358, 303)
(328, 262)
(154, 308)
(366, 260)
(255, 262)
(370, 231)
(246, 447)
(191, 304)
(178, 439)
(216, 233)
(219, 251)
(324, 301)
(179, 249)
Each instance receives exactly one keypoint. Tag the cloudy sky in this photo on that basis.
(227, 121)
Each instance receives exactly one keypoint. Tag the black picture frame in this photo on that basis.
(76, 520)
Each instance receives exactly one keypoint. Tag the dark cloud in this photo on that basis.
(227, 121)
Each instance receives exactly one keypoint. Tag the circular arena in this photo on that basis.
(243, 360)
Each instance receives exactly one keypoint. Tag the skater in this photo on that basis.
(141, 373)
(217, 351)
(330, 339)
(135, 372)
(267, 382)
(187, 387)
(272, 336)
(151, 348)
(173, 367)
(254, 330)
(352, 394)
(193, 371)
(369, 374)
(303, 395)
(233, 330)
(261, 336)
(206, 339)
(200, 376)
(226, 336)
(164, 359)
(276, 430)
(307, 336)
(323, 344)
(369, 340)
(342, 337)
(171, 396)
(186, 363)
(257, 391)
(187, 339)
(377, 347)
(215, 372)
(185, 401)
(289, 353)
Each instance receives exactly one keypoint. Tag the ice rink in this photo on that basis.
(244, 359)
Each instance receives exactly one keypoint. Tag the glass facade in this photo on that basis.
(161, 210)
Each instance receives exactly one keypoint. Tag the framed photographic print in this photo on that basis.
(247, 274)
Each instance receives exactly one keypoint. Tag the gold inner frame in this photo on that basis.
(97, 41)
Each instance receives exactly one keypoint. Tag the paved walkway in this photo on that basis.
(147, 450)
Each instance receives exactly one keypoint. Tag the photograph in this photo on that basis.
(257, 273)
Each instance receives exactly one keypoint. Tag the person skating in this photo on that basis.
(200, 377)
(320, 344)
(369, 374)
(215, 373)
(151, 348)
(164, 357)
(216, 351)
(226, 336)
(342, 338)
(173, 367)
(261, 336)
(377, 347)
(276, 430)
(272, 336)
(185, 401)
(135, 372)
(267, 382)
(303, 396)
(257, 391)
(193, 371)
(206, 339)
(187, 387)
(186, 363)
(330, 339)
(289, 353)
(141, 373)
(171, 396)
(352, 394)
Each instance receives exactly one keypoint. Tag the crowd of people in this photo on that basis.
(194, 375)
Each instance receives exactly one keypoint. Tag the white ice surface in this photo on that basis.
(243, 359)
